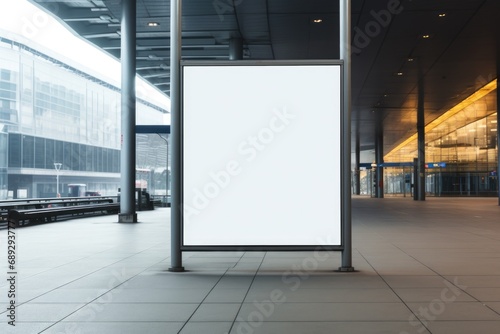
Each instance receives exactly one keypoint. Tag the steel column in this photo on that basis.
(235, 49)
(379, 159)
(128, 103)
(176, 134)
(345, 55)
(421, 135)
(357, 172)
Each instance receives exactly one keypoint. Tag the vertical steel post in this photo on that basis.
(345, 55)
(421, 134)
(498, 112)
(128, 102)
(235, 49)
(175, 134)
(379, 158)
(357, 172)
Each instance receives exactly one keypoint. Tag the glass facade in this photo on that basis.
(51, 112)
(461, 153)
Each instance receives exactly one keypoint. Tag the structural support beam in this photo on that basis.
(175, 134)
(357, 175)
(128, 102)
(379, 159)
(345, 55)
(498, 114)
(420, 182)
(235, 49)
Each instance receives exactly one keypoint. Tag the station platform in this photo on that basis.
(421, 267)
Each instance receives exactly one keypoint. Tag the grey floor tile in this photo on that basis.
(437, 310)
(447, 294)
(46, 312)
(206, 328)
(167, 295)
(215, 312)
(464, 327)
(268, 311)
(137, 312)
(415, 281)
(226, 296)
(291, 327)
(327, 295)
(115, 328)
(485, 294)
(479, 281)
(23, 327)
(70, 296)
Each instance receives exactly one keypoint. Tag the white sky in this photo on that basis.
(25, 19)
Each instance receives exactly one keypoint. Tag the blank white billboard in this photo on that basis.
(261, 154)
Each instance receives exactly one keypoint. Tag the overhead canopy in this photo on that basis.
(453, 41)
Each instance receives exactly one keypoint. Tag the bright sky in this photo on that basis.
(25, 19)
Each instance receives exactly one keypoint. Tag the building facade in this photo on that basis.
(53, 112)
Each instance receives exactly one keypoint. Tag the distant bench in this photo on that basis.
(20, 217)
(49, 209)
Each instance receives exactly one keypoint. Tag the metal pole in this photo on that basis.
(175, 110)
(345, 55)
(379, 158)
(168, 174)
(128, 61)
(235, 49)
(421, 134)
(57, 166)
(358, 162)
(498, 114)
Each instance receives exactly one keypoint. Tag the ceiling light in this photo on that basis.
(411, 59)
(426, 36)
(318, 20)
(399, 74)
(442, 15)
(153, 24)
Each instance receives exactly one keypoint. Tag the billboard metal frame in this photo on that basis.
(342, 137)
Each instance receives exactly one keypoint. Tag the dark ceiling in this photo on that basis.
(452, 43)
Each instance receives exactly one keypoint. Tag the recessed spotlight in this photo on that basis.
(318, 20)
(153, 24)
(442, 15)
(426, 36)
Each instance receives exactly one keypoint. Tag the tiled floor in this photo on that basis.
(422, 267)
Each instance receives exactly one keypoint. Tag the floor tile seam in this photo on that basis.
(248, 290)
(61, 286)
(451, 282)
(96, 298)
(401, 299)
(85, 257)
(201, 302)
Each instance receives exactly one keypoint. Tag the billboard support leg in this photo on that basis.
(345, 55)
(175, 110)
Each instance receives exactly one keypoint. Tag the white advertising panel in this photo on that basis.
(261, 154)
